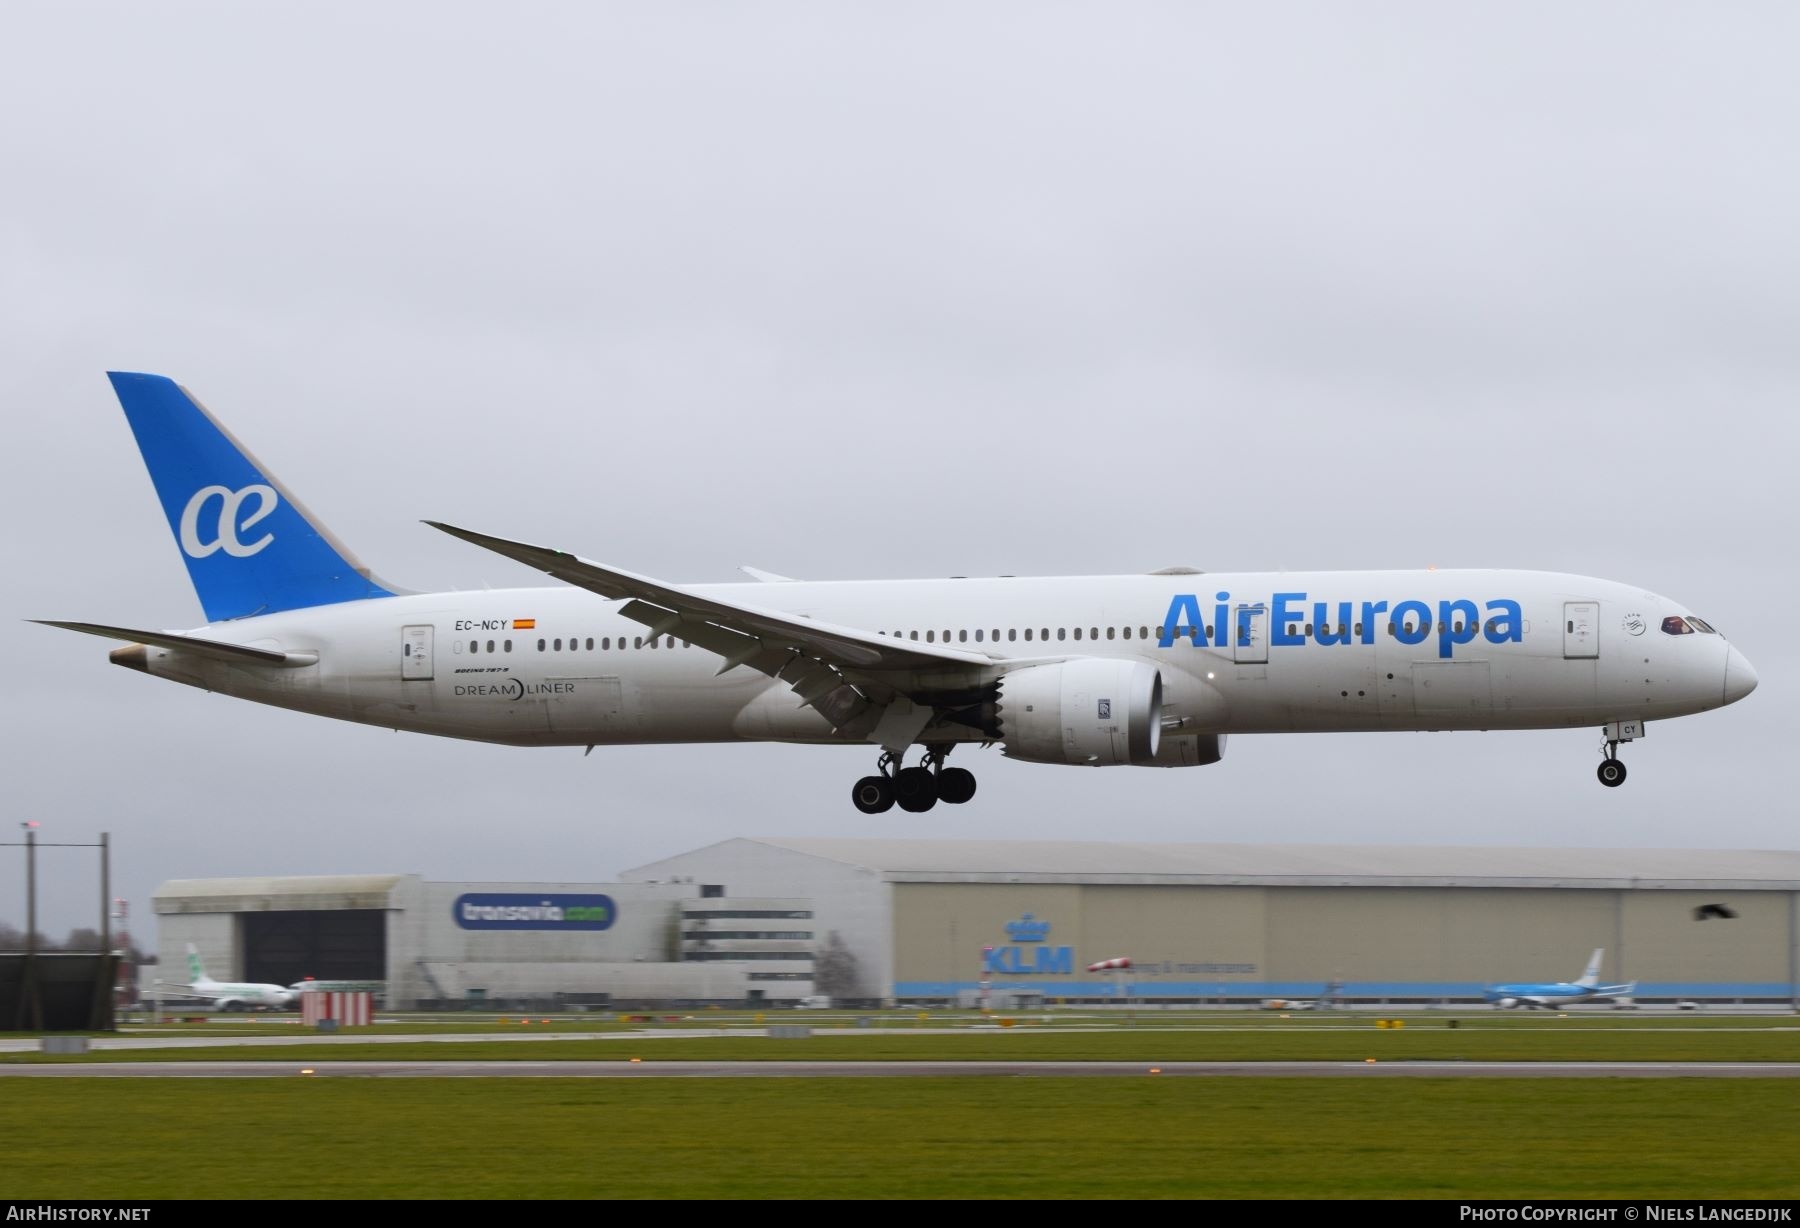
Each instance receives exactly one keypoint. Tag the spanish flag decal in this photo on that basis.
(524, 624)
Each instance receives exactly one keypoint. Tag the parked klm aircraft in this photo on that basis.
(1587, 988)
(228, 995)
(1148, 670)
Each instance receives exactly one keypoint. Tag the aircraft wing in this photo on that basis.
(175, 989)
(845, 672)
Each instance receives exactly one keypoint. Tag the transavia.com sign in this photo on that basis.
(494, 911)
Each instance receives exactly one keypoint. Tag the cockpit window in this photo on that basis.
(1674, 624)
(1700, 625)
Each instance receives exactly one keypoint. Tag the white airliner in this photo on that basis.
(1148, 670)
(1585, 988)
(228, 995)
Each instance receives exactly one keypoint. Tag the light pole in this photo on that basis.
(31, 1007)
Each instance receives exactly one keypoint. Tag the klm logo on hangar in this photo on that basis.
(1036, 959)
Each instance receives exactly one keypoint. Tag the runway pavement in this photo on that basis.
(913, 1070)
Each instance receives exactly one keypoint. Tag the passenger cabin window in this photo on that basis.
(978, 635)
(1078, 633)
(1062, 633)
(1674, 624)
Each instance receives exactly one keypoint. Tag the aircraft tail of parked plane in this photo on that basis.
(249, 545)
(1590, 976)
(227, 995)
(1145, 670)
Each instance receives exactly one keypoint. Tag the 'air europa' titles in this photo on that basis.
(1501, 621)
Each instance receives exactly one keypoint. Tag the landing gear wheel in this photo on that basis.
(955, 785)
(1612, 773)
(873, 794)
(916, 789)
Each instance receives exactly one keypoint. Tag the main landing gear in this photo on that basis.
(1612, 768)
(916, 789)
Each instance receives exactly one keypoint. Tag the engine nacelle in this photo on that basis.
(1088, 711)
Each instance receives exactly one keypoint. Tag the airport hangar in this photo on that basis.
(750, 920)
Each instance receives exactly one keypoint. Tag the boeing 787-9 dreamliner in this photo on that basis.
(1146, 670)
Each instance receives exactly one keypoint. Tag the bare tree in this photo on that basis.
(82, 938)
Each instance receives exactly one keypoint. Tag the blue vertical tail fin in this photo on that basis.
(249, 545)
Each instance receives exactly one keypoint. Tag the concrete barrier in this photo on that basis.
(65, 1044)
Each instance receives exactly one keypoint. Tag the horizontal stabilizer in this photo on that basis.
(236, 653)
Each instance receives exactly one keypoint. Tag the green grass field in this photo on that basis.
(914, 1138)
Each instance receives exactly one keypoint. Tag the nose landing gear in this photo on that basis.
(916, 789)
(1612, 768)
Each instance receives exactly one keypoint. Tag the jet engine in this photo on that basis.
(1087, 711)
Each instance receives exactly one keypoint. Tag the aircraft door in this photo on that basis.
(415, 652)
(1581, 629)
(1250, 634)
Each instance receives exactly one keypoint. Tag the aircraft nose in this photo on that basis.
(1740, 679)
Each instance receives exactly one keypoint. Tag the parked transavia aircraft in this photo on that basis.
(1149, 670)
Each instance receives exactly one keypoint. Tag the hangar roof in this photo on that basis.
(325, 891)
(1299, 864)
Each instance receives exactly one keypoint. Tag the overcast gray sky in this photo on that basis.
(852, 291)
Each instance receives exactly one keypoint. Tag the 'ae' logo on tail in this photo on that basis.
(231, 522)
